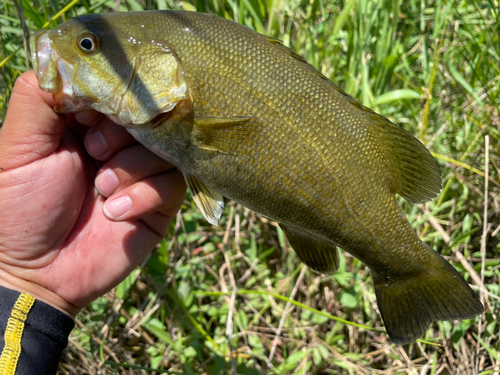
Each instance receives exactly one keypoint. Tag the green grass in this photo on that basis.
(432, 67)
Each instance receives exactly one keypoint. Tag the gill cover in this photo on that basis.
(156, 85)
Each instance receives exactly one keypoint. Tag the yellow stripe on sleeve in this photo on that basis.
(13, 334)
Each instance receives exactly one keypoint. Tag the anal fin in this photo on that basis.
(319, 256)
(209, 201)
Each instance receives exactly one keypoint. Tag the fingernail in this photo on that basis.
(107, 182)
(117, 207)
(88, 117)
(95, 143)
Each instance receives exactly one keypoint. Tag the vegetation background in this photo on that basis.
(234, 298)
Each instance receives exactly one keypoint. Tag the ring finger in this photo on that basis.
(162, 193)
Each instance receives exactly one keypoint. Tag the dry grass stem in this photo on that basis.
(288, 309)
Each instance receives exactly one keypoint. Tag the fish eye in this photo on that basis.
(88, 43)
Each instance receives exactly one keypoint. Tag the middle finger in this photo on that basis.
(127, 167)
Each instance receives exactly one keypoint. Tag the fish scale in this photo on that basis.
(248, 119)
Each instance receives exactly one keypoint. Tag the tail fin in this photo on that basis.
(410, 305)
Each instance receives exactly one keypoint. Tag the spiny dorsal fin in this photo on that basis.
(209, 201)
(278, 43)
(223, 134)
(415, 171)
(319, 256)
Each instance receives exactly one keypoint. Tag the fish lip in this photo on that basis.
(33, 57)
(54, 74)
(64, 103)
(45, 62)
(58, 107)
(41, 46)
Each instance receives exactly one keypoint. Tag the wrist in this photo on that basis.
(38, 292)
(34, 334)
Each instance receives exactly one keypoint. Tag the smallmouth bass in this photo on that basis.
(244, 117)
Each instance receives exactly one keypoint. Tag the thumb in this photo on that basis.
(32, 130)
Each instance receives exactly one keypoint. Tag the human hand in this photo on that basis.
(56, 242)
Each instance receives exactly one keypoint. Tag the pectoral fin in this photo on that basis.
(209, 201)
(319, 256)
(224, 135)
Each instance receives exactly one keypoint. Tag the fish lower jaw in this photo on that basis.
(66, 104)
(57, 104)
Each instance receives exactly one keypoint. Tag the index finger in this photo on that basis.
(32, 130)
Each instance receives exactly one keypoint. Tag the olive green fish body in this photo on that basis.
(311, 163)
(245, 118)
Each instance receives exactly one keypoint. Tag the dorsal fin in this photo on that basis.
(416, 175)
(279, 44)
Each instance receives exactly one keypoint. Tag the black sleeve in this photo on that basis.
(32, 334)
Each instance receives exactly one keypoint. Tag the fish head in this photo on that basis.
(111, 63)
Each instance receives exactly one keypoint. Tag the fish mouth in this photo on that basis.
(40, 45)
(54, 74)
